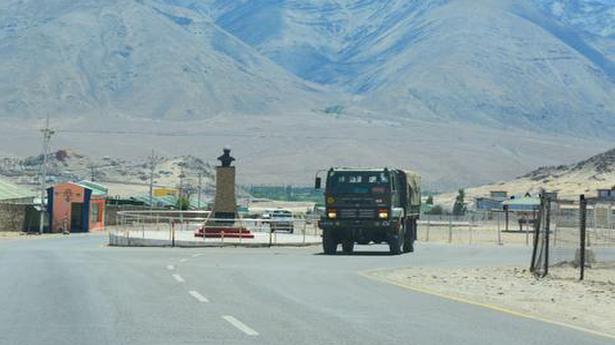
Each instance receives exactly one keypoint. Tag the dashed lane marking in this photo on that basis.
(240, 325)
(198, 296)
(178, 278)
(170, 267)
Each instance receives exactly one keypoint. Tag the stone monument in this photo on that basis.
(222, 221)
(225, 203)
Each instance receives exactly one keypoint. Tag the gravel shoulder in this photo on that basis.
(8, 235)
(560, 297)
(16, 235)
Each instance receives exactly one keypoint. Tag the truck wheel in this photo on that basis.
(347, 246)
(409, 236)
(329, 242)
(408, 245)
(395, 244)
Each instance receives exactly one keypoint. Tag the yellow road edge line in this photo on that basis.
(369, 275)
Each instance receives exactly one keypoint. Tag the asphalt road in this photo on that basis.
(75, 290)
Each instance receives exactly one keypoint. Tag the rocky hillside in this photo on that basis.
(569, 181)
(123, 176)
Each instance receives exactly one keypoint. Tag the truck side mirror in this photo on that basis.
(318, 183)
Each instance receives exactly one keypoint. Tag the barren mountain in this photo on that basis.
(134, 59)
(531, 63)
(465, 91)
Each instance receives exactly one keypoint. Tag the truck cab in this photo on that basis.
(370, 206)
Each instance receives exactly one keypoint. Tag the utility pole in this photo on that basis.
(181, 192)
(181, 181)
(153, 161)
(92, 168)
(200, 187)
(47, 133)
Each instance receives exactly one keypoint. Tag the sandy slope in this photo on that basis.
(290, 149)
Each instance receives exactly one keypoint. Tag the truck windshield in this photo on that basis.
(358, 182)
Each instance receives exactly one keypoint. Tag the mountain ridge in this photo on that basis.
(107, 58)
(466, 91)
(504, 63)
(526, 64)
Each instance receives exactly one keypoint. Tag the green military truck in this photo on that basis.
(370, 206)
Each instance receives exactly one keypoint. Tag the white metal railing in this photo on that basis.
(170, 226)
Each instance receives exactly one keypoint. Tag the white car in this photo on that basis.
(280, 220)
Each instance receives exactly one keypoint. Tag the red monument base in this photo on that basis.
(223, 232)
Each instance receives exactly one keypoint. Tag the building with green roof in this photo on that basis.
(524, 204)
(17, 211)
(76, 207)
(96, 188)
(11, 193)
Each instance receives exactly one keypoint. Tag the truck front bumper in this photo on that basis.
(355, 224)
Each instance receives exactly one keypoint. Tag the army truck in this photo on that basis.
(370, 206)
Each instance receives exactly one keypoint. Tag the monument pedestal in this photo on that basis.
(225, 203)
(222, 223)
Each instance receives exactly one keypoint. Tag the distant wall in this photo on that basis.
(12, 217)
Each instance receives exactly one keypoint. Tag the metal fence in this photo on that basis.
(576, 240)
(199, 228)
(492, 227)
(539, 265)
(518, 228)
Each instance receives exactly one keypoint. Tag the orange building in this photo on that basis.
(76, 207)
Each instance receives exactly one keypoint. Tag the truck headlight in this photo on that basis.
(383, 214)
(331, 214)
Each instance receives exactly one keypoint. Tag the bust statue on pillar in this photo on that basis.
(221, 222)
(226, 158)
(225, 203)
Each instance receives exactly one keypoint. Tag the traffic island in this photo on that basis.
(558, 299)
(152, 238)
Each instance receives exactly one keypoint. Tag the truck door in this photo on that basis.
(395, 187)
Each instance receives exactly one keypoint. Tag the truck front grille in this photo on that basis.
(366, 213)
(349, 213)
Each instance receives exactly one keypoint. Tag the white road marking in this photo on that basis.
(178, 278)
(196, 255)
(170, 267)
(198, 296)
(240, 325)
(183, 260)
